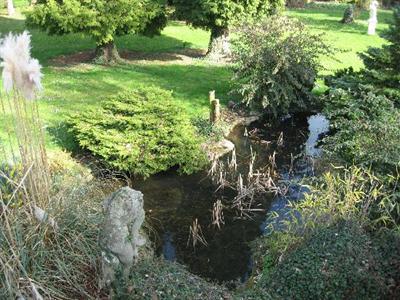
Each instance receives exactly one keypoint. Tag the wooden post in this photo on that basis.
(215, 113)
(211, 96)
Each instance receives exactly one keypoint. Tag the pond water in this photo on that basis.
(173, 203)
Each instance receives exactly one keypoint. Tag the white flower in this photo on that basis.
(20, 71)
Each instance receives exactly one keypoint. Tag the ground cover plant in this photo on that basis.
(365, 129)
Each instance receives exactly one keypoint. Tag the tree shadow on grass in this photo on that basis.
(335, 25)
(181, 54)
(327, 17)
(61, 136)
(46, 47)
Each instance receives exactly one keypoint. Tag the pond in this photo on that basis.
(180, 208)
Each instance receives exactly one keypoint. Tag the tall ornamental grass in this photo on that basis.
(21, 78)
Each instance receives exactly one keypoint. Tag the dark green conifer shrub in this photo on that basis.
(141, 131)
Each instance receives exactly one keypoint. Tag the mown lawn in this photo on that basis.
(76, 87)
(348, 39)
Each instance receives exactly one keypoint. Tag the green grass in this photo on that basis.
(349, 39)
(77, 87)
(65, 91)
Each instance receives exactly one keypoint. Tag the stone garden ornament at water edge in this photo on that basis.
(120, 237)
(373, 19)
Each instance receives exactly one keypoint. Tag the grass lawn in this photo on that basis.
(75, 87)
(349, 39)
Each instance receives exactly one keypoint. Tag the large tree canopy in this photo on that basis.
(102, 20)
(219, 15)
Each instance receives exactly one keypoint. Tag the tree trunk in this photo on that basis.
(107, 53)
(10, 8)
(219, 46)
(348, 15)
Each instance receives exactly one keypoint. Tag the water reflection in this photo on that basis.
(317, 125)
(172, 202)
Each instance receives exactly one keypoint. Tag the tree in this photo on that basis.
(219, 15)
(102, 20)
(348, 15)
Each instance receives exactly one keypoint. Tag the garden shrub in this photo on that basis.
(141, 131)
(276, 64)
(365, 129)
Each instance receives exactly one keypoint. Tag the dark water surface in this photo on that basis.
(173, 202)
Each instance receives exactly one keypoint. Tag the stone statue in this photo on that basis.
(373, 19)
(10, 7)
(120, 238)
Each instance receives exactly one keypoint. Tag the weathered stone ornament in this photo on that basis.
(373, 19)
(120, 237)
(10, 8)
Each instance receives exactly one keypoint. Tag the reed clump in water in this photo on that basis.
(247, 186)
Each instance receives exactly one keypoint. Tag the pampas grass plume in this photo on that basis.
(20, 70)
